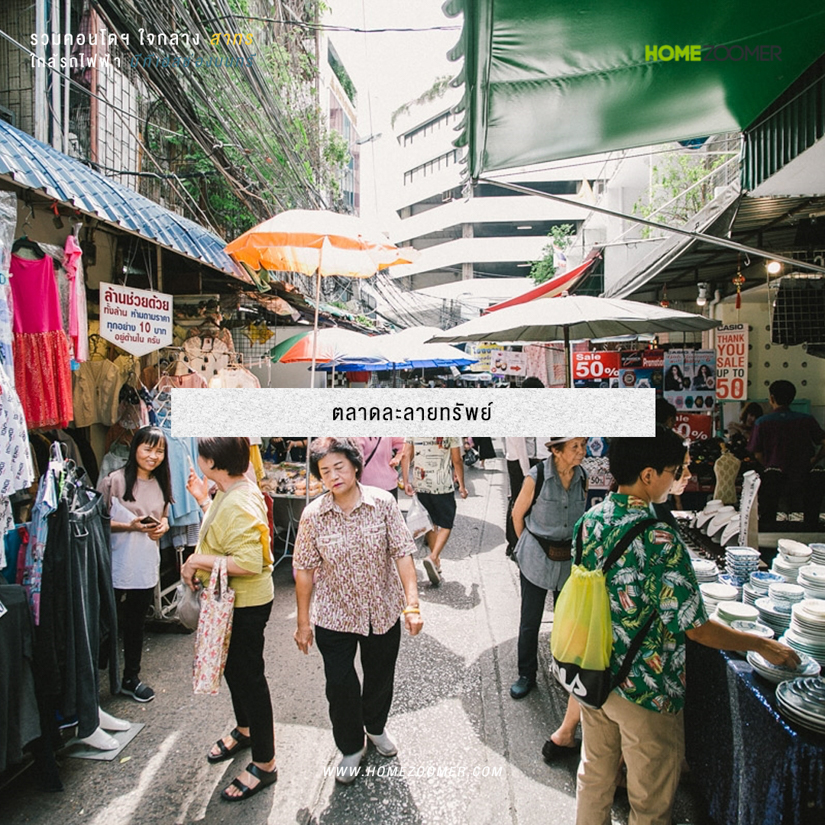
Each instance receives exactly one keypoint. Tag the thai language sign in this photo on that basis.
(732, 362)
(137, 320)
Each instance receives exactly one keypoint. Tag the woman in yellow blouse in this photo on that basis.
(236, 526)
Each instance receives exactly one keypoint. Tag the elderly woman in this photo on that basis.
(236, 527)
(543, 520)
(353, 547)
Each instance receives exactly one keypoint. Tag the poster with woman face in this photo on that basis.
(690, 379)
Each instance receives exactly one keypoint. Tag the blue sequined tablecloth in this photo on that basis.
(751, 765)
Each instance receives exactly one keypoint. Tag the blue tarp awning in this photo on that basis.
(33, 164)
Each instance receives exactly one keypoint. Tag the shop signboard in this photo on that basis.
(596, 366)
(639, 378)
(695, 426)
(484, 353)
(690, 379)
(732, 362)
(508, 363)
(136, 320)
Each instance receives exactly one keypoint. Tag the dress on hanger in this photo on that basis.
(16, 468)
(41, 350)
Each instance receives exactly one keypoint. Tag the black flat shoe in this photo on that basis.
(521, 687)
(265, 778)
(241, 742)
(551, 751)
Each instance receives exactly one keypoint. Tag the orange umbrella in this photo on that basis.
(316, 242)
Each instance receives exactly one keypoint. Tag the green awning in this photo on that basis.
(550, 80)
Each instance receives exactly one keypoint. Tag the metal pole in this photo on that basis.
(568, 360)
(315, 331)
(697, 236)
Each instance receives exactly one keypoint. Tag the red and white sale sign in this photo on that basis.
(732, 362)
(695, 426)
(595, 366)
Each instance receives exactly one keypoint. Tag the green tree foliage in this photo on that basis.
(544, 269)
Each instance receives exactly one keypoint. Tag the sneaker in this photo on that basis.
(383, 744)
(137, 690)
(349, 767)
(433, 573)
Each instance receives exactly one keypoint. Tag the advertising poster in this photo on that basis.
(690, 379)
(508, 363)
(483, 352)
(694, 426)
(640, 378)
(596, 369)
(732, 362)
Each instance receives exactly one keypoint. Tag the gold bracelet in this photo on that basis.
(407, 610)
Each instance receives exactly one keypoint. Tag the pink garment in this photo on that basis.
(378, 472)
(36, 302)
(78, 320)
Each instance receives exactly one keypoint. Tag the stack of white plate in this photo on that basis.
(715, 592)
(803, 701)
(776, 674)
(817, 553)
(758, 585)
(812, 580)
(789, 572)
(740, 562)
(773, 618)
(735, 582)
(784, 596)
(705, 569)
(807, 631)
(728, 612)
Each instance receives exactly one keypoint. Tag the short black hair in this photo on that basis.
(322, 447)
(532, 383)
(783, 392)
(630, 456)
(230, 454)
(664, 411)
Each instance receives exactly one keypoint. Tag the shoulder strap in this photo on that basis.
(539, 485)
(633, 649)
(624, 542)
(369, 458)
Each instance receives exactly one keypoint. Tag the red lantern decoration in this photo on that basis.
(738, 280)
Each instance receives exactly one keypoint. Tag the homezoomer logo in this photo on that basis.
(699, 53)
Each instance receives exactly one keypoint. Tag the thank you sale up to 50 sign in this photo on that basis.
(732, 362)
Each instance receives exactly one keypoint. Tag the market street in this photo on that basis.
(451, 714)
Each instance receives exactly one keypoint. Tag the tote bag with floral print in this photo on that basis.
(214, 631)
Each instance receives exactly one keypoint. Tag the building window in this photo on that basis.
(420, 132)
(431, 166)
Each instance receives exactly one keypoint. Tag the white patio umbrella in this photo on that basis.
(571, 317)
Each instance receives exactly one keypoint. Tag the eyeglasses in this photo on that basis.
(677, 473)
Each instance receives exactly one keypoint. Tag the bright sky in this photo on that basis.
(389, 69)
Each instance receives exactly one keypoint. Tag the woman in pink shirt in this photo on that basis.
(381, 459)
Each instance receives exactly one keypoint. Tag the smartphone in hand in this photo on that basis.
(150, 521)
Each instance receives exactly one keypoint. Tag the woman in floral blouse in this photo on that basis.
(354, 550)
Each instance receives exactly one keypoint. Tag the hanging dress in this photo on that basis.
(42, 375)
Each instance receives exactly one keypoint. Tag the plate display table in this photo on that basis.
(750, 764)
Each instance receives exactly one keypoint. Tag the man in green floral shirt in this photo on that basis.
(641, 720)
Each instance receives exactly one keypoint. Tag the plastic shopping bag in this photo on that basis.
(418, 519)
(214, 631)
(187, 606)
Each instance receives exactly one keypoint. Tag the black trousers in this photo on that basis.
(133, 607)
(244, 673)
(807, 492)
(351, 710)
(532, 608)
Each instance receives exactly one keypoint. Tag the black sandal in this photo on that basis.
(241, 742)
(265, 778)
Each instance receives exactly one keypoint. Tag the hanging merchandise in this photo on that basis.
(97, 393)
(16, 469)
(78, 318)
(41, 349)
(233, 378)
(8, 221)
(78, 620)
